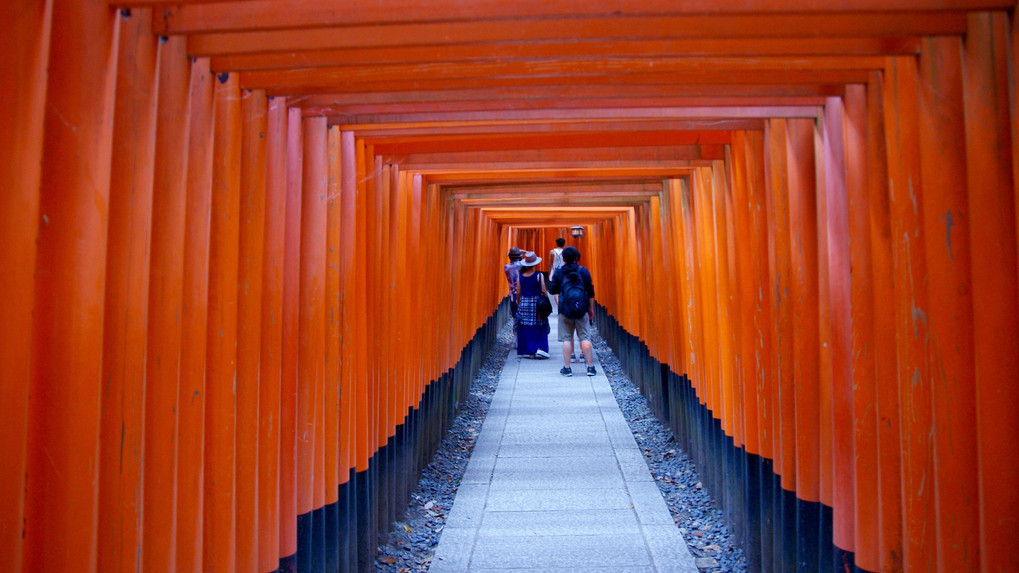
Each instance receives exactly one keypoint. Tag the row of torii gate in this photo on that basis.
(216, 217)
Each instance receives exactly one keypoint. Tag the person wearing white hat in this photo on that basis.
(532, 328)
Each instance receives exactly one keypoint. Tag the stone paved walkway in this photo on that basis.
(556, 483)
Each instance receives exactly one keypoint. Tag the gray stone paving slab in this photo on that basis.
(668, 550)
(568, 570)
(572, 449)
(544, 436)
(556, 483)
(561, 551)
(588, 422)
(562, 473)
(562, 499)
(633, 466)
(620, 438)
(570, 417)
(486, 448)
(478, 472)
(469, 506)
(572, 521)
(648, 503)
(453, 554)
(537, 404)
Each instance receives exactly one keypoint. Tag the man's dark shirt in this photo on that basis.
(556, 284)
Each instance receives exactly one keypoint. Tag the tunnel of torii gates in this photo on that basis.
(252, 251)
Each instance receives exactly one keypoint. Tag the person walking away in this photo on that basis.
(576, 308)
(556, 257)
(512, 271)
(532, 329)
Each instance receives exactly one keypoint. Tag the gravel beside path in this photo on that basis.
(412, 542)
(691, 506)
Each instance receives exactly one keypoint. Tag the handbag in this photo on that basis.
(544, 306)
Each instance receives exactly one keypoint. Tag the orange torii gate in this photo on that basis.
(216, 215)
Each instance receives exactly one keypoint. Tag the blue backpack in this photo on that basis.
(573, 302)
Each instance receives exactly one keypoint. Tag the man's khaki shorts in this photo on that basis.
(567, 326)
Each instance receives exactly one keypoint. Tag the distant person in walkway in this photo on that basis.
(573, 284)
(555, 256)
(532, 328)
(512, 270)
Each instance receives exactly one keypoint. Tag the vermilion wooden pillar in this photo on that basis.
(334, 475)
(885, 359)
(249, 322)
(748, 219)
(194, 320)
(864, 389)
(824, 340)
(905, 203)
(1013, 99)
(380, 300)
(127, 287)
(804, 299)
(837, 254)
(735, 393)
(270, 368)
(744, 291)
(631, 289)
(991, 203)
(645, 279)
(311, 331)
(675, 253)
(391, 361)
(220, 534)
(24, 51)
(334, 435)
(669, 248)
(376, 189)
(291, 297)
(655, 229)
(771, 445)
(165, 299)
(401, 303)
(783, 397)
(62, 467)
(353, 156)
(947, 223)
(414, 253)
(722, 214)
(762, 340)
(691, 290)
(345, 206)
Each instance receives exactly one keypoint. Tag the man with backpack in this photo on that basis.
(572, 283)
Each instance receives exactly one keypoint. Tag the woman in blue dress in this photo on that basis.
(532, 329)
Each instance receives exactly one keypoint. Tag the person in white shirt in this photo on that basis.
(555, 257)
